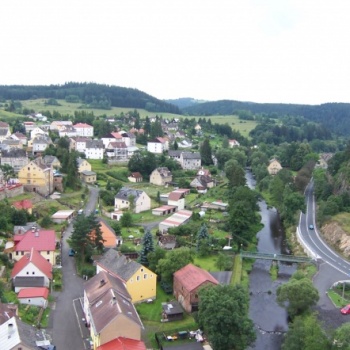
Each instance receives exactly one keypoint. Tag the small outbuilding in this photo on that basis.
(63, 216)
(172, 311)
(34, 296)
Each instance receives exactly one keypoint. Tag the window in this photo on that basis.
(22, 253)
(33, 273)
(16, 253)
(27, 272)
(48, 252)
(145, 276)
(141, 270)
(137, 278)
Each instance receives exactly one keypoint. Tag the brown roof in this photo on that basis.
(7, 311)
(191, 277)
(175, 196)
(136, 175)
(108, 300)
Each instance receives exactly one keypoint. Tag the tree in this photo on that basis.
(341, 338)
(154, 257)
(306, 333)
(223, 315)
(298, 295)
(205, 151)
(234, 173)
(176, 146)
(7, 171)
(203, 241)
(173, 261)
(147, 247)
(224, 262)
(126, 220)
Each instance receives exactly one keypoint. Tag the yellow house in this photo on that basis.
(109, 311)
(83, 165)
(140, 281)
(37, 177)
(274, 166)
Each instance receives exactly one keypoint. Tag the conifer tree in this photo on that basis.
(147, 247)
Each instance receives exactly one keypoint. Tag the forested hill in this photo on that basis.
(334, 116)
(89, 94)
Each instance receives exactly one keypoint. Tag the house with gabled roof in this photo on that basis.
(37, 296)
(122, 343)
(158, 145)
(52, 161)
(110, 239)
(109, 311)
(117, 150)
(83, 164)
(94, 149)
(274, 166)
(128, 198)
(233, 143)
(140, 282)
(111, 137)
(179, 218)
(177, 199)
(84, 130)
(28, 268)
(39, 144)
(24, 204)
(20, 137)
(190, 160)
(16, 158)
(135, 177)
(129, 138)
(187, 282)
(161, 176)
(41, 240)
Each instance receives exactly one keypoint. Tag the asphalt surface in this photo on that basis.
(67, 318)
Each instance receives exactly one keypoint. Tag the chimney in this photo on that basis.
(37, 233)
(102, 283)
(9, 330)
(114, 300)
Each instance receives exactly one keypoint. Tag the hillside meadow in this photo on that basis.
(66, 108)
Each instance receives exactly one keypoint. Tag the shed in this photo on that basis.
(172, 311)
(62, 216)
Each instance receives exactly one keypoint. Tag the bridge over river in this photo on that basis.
(277, 257)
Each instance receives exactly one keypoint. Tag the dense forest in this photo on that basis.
(89, 94)
(333, 116)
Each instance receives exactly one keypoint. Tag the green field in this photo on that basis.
(66, 108)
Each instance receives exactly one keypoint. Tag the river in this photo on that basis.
(269, 318)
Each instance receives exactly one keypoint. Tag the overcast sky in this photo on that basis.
(246, 50)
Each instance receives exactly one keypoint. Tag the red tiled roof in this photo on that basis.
(175, 196)
(136, 175)
(82, 125)
(191, 277)
(39, 292)
(41, 240)
(36, 259)
(122, 343)
(23, 204)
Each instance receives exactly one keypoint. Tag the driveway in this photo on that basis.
(67, 318)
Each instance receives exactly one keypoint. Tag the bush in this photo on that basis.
(88, 270)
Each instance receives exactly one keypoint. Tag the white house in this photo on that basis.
(37, 132)
(127, 198)
(84, 130)
(94, 149)
(32, 270)
(157, 145)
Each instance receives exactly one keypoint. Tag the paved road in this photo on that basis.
(67, 320)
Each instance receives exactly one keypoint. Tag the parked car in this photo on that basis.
(311, 227)
(71, 252)
(345, 310)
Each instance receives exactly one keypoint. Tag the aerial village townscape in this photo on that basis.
(136, 230)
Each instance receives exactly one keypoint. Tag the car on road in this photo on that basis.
(345, 310)
(311, 227)
(71, 252)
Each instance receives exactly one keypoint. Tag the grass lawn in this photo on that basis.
(151, 314)
(337, 299)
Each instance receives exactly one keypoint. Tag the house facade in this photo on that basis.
(36, 177)
(34, 296)
(88, 177)
(187, 282)
(190, 160)
(135, 177)
(83, 164)
(84, 130)
(161, 176)
(274, 167)
(94, 149)
(128, 198)
(141, 282)
(16, 158)
(157, 145)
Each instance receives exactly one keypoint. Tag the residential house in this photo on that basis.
(167, 242)
(140, 282)
(10, 143)
(83, 164)
(37, 132)
(177, 199)
(111, 137)
(158, 145)
(110, 239)
(135, 200)
(43, 241)
(109, 311)
(161, 176)
(24, 204)
(187, 282)
(37, 296)
(20, 137)
(39, 144)
(67, 131)
(5, 131)
(135, 177)
(179, 218)
(29, 126)
(274, 167)
(17, 335)
(233, 143)
(129, 139)
(190, 160)
(117, 150)
(78, 143)
(94, 149)
(175, 155)
(36, 177)
(16, 158)
(52, 161)
(122, 343)
(88, 177)
(84, 130)
(31, 270)
(202, 181)
(57, 125)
